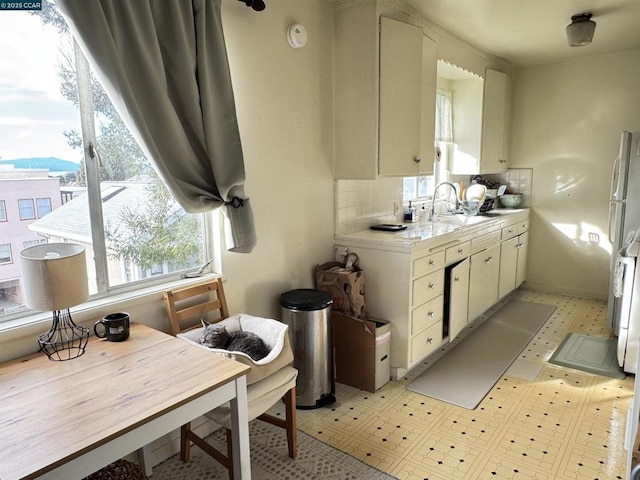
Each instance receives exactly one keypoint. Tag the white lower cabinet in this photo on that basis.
(513, 262)
(458, 298)
(483, 280)
(430, 294)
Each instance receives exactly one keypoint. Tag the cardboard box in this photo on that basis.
(361, 350)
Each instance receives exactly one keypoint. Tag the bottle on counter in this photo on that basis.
(410, 214)
(422, 213)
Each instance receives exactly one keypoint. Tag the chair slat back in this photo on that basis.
(187, 306)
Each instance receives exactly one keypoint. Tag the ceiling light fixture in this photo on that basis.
(580, 30)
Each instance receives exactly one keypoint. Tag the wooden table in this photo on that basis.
(65, 420)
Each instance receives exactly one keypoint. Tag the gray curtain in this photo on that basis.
(164, 65)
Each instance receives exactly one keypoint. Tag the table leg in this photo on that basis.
(240, 431)
(144, 457)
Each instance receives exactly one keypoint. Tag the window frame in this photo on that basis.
(10, 261)
(38, 213)
(3, 211)
(33, 208)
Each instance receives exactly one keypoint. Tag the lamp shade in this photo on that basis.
(54, 276)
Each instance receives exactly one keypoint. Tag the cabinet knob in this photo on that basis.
(510, 230)
(488, 259)
(502, 161)
(460, 250)
(417, 159)
(430, 314)
(429, 341)
(456, 279)
(432, 261)
(432, 285)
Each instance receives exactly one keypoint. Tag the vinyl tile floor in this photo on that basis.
(539, 422)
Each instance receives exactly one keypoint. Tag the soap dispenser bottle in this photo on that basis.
(410, 214)
(422, 214)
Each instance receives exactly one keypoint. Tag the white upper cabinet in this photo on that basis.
(407, 99)
(480, 122)
(384, 84)
(497, 95)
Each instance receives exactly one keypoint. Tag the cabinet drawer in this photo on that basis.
(427, 264)
(426, 342)
(427, 287)
(523, 226)
(453, 254)
(485, 241)
(427, 314)
(509, 231)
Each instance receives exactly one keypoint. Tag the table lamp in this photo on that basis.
(55, 278)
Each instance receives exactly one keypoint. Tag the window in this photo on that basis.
(32, 243)
(27, 212)
(111, 201)
(43, 206)
(422, 187)
(5, 253)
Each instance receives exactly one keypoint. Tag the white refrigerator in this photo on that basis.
(624, 218)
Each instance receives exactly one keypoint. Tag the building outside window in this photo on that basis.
(115, 205)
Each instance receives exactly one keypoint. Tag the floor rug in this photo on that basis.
(464, 375)
(589, 354)
(270, 460)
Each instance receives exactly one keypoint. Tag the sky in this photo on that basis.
(33, 113)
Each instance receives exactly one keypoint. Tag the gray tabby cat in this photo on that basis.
(217, 336)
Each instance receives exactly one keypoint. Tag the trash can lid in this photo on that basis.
(306, 299)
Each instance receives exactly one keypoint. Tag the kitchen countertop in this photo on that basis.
(446, 231)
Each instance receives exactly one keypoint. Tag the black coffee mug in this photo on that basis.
(115, 327)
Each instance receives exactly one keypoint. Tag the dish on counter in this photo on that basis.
(388, 227)
(476, 193)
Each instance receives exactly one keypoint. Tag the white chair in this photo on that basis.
(269, 380)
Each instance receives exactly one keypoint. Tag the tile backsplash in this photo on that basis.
(361, 203)
(517, 180)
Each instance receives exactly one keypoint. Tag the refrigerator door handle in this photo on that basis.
(612, 203)
(615, 175)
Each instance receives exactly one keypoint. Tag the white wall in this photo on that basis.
(566, 124)
(283, 97)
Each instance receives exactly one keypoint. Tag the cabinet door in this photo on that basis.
(494, 122)
(458, 298)
(428, 115)
(508, 266)
(483, 281)
(521, 271)
(400, 97)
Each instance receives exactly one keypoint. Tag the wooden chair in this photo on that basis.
(185, 308)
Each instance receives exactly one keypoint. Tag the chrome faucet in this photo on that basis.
(432, 210)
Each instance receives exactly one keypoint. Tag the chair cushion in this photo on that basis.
(274, 334)
(261, 396)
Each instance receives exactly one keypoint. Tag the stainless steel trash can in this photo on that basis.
(307, 312)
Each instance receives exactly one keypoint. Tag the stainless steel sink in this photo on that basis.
(461, 220)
